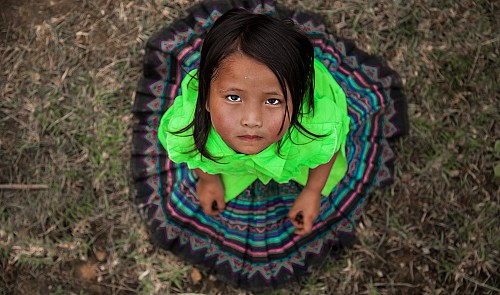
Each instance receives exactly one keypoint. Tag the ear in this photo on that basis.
(207, 106)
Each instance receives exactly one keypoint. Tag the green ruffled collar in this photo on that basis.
(267, 159)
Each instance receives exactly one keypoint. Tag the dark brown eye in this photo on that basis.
(234, 98)
(273, 101)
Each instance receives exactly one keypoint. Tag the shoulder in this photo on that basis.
(181, 112)
(177, 117)
(326, 87)
(330, 107)
(329, 119)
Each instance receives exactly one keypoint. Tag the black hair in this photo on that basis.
(278, 44)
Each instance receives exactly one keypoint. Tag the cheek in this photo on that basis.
(279, 119)
(275, 125)
(222, 123)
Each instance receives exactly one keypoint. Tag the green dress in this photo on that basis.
(298, 152)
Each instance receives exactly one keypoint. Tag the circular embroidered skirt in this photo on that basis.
(251, 245)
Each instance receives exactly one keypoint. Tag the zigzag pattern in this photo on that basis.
(261, 230)
(264, 8)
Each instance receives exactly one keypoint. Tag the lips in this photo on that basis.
(250, 137)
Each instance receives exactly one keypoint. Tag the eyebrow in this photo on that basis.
(241, 90)
(273, 93)
(230, 90)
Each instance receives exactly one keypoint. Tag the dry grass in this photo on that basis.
(67, 79)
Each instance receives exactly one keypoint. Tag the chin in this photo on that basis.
(249, 150)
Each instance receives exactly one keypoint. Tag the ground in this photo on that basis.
(68, 221)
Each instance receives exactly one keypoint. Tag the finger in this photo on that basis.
(215, 206)
(212, 213)
(299, 218)
(299, 232)
(208, 209)
(296, 224)
(308, 225)
(221, 204)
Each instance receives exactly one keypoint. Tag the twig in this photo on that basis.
(488, 42)
(395, 285)
(124, 288)
(479, 283)
(473, 68)
(59, 120)
(17, 186)
(102, 71)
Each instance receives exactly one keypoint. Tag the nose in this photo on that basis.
(251, 117)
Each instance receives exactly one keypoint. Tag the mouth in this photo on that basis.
(250, 137)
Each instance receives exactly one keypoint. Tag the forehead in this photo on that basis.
(241, 70)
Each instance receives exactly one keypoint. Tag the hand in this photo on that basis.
(305, 210)
(211, 195)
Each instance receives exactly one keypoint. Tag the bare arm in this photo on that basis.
(210, 190)
(319, 175)
(309, 200)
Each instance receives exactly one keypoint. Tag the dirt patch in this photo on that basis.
(26, 13)
(72, 276)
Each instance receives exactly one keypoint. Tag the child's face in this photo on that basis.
(247, 105)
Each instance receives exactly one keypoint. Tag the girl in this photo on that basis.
(253, 131)
(255, 103)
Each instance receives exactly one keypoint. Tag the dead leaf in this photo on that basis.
(100, 254)
(86, 271)
(195, 276)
